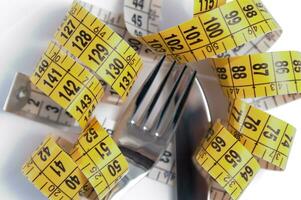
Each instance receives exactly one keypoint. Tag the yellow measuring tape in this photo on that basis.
(227, 161)
(82, 40)
(99, 48)
(99, 158)
(219, 31)
(209, 34)
(95, 160)
(258, 75)
(236, 28)
(265, 136)
(94, 45)
(53, 172)
(68, 83)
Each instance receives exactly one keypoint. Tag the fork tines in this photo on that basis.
(161, 100)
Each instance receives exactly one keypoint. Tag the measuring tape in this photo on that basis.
(236, 28)
(53, 172)
(267, 137)
(258, 75)
(265, 74)
(62, 77)
(99, 48)
(164, 170)
(94, 45)
(227, 161)
(99, 158)
(266, 103)
(95, 160)
(68, 83)
(26, 100)
(39, 107)
(216, 31)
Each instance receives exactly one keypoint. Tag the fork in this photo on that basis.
(150, 120)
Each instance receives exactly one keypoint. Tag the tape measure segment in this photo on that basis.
(53, 172)
(68, 83)
(227, 161)
(265, 136)
(211, 33)
(99, 158)
(260, 75)
(99, 48)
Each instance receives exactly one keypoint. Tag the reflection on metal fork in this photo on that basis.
(150, 120)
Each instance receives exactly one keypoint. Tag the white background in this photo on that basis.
(26, 27)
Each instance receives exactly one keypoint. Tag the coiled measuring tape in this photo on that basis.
(212, 33)
(28, 101)
(94, 160)
(94, 45)
(91, 152)
(227, 161)
(53, 172)
(238, 27)
(97, 47)
(67, 83)
(82, 39)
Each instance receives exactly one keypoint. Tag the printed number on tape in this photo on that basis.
(220, 31)
(94, 161)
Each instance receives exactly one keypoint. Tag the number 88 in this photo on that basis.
(238, 72)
